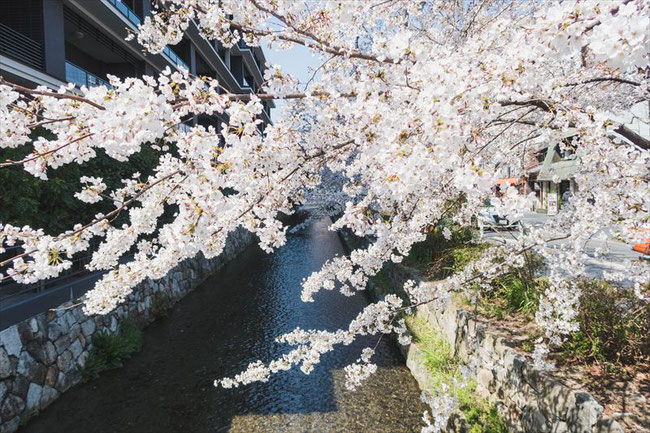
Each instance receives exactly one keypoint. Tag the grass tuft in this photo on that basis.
(109, 350)
(478, 415)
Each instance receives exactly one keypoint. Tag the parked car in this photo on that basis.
(490, 219)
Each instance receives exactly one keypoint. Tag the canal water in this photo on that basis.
(215, 331)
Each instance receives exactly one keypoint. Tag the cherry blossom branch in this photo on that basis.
(322, 44)
(43, 154)
(624, 131)
(604, 79)
(109, 215)
(29, 91)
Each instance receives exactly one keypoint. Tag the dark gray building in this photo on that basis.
(50, 42)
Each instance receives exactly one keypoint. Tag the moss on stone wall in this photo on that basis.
(474, 414)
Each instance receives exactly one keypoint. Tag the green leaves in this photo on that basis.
(109, 350)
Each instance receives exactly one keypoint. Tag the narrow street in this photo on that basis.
(615, 253)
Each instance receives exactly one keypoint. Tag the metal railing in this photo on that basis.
(81, 77)
(20, 47)
(126, 11)
(136, 20)
(175, 58)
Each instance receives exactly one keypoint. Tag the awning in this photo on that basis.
(561, 170)
(511, 181)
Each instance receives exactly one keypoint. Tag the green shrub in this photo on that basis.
(461, 257)
(518, 291)
(480, 415)
(614, 326)
(27, 200)
(434, 256)
(435, 350)
(109, 350)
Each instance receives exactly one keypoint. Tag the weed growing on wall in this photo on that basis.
(109, 350)
(476, 415)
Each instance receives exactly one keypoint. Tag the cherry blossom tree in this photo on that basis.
(415, 109)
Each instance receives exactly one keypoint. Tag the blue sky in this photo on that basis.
(297, 61)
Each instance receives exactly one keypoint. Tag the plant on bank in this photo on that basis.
(613, 323)
(417, 107)
(614, 327)
(477, 415)
(109, 350)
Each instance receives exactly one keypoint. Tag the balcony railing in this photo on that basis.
(20, 47)
(136, 20)
(81, 77)
(126, 11)
(175, 58)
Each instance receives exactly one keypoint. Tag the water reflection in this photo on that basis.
(231, 320)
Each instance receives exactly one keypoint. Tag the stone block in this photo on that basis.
(4, 389)
(538, 422)
(20, 386)
(12, 406)
(65, 381)
(26, 333)
(10, 339)
(33, 400)
(485, 379)
(50, 376)
(557, 399)
(6, 367)
(585, 414)
(69, 318)
(79, 315)
(10, 426)
(30, 368)
(81, 360)
(74, 332)
(113, 326)
(65, 361)
(34, 372)
(76, 349)
(62, 344)
(560, 427)
(48, 395)
(608, 426)
(56, 328)
(43, 352)
(49, 353)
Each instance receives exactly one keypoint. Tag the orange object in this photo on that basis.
(511, 181)
(643, 248)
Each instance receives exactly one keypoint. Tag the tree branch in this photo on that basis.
(29, 91)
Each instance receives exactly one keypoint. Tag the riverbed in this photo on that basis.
(232, 319)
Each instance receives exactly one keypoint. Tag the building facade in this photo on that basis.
(550, 171)
(52, 42)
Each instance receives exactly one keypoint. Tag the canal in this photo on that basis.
(230, 320)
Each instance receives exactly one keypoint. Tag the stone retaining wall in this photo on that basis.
(42, 357)
(529, 400)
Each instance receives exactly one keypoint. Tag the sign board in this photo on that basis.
(551, 203)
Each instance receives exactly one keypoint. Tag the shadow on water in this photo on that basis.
(215, 331)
